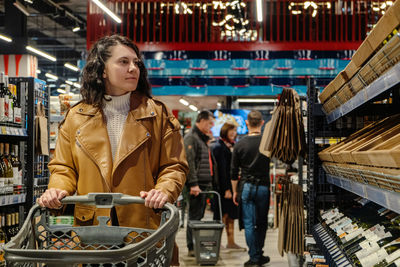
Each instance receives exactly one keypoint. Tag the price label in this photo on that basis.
(3, 130)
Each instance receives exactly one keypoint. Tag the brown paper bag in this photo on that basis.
(41, 131)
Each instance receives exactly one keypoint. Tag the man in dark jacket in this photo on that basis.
(200, 175)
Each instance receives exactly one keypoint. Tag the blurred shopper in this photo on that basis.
(253, 191)
(118, 139)
(222, 151)
(200, 177)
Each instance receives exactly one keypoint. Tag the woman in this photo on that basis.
(222, 151)
(117, 139)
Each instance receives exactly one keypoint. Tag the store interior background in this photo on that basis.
(216, 55)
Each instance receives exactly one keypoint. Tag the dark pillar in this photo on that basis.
(15, 23)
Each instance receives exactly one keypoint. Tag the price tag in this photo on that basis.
(3, 130)
(2, 201)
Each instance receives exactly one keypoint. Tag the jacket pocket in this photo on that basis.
(84, 215)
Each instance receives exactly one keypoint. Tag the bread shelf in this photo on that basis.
(385, 82)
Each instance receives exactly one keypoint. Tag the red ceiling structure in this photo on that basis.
(232, 25)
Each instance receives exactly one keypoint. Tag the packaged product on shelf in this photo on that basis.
(54, 105)
(67, 101)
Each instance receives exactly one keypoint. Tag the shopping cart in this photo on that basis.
(38, 243)
(207, 236)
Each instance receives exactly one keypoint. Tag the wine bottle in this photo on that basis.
(382, 254)
(9, 171)
(2, 96)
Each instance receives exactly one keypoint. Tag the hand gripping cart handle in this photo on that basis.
(39, 243)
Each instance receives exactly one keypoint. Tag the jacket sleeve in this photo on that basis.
(62, 172)
(191, 148)
(223, 176)
(173, 165)
(235, 163)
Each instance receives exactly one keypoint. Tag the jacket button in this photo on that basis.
(78, 132)
(152, 113)
(81, 109)
(148, 134)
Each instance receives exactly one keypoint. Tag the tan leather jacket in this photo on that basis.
(150, 155)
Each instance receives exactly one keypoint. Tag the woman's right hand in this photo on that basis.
(51, 198)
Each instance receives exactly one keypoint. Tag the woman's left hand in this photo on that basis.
(154, 199)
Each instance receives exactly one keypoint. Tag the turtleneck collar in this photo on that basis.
(117, 103)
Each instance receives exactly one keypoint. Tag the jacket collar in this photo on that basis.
(141, 107)
(202, 135)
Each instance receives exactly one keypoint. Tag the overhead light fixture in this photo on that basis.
(259, 11)
(38, 71)
(108, 11)
(76, 29)
(257, 100)
(29, 1)
(61, 91)
(184, 102)
(5, 38)
(77, 85)
(41, 53)
(192, 107)
(71, 67)
(21, 8)
(69, 82)
(51, 76)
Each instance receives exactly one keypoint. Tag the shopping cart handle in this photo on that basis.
(103, 200)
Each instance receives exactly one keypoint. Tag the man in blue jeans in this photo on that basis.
(254, 188)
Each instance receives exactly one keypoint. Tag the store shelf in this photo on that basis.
(13, 133)
(56, 118)
(385, 198)
(328, 245)
(380, 85)
(12, 199)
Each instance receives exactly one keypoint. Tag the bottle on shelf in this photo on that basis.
(17, 166)
(2, 243)
(389, 252)
(7, 169)
(2, 96)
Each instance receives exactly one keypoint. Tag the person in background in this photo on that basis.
(222, 152)
(118, 139)
(254, 190)
(200, 177)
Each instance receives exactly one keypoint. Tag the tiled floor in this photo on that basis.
(234, 257)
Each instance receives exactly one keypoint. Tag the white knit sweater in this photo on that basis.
(116, 112)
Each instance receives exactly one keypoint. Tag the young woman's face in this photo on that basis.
(121, 72)
(232, 134)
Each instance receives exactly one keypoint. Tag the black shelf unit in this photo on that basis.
(361, 104)
(31, 91)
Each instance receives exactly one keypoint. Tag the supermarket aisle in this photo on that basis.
(234, 257)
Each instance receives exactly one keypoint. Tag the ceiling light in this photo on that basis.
(71, 67)
(5, 38)
(29, 1)
(21, 8)
(257, 100)
(259, 11)
(41, 53)
(194, 108)
(108, 11)
(38, 71)
(77, 85)
(184, 102)
(51, 76)
(76, 29)
(61, 91)
(69, 82)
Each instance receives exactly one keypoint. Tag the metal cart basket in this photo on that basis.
(38, 243)
(207, 236)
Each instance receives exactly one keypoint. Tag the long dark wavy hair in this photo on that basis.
(93, 85)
